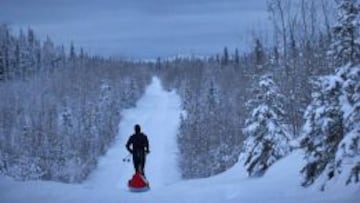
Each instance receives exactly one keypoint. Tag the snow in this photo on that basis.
(158, 113)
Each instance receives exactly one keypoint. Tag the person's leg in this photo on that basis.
(142, 162)
(137, 162)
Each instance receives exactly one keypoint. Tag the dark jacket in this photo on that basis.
(139, 143)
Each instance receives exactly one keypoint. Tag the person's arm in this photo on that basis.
(147, 150)
(129, 142)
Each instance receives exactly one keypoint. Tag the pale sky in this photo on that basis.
(141, 28)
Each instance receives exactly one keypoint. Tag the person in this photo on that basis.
(138, 146)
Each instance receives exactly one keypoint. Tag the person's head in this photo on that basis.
(137, 128)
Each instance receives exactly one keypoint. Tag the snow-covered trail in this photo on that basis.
(158, 114)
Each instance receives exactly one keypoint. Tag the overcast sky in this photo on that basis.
(141, 28)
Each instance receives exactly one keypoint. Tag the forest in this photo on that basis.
(299, 88)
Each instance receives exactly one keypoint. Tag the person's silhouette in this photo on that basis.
(138, 146)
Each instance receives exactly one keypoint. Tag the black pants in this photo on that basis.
(139, 161)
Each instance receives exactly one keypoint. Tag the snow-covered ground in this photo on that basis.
(158, 114)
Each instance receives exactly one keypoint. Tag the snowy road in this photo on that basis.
(158, 114)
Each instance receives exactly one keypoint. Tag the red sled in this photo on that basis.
(138, 183)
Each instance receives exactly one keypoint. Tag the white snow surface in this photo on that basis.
(158, 113)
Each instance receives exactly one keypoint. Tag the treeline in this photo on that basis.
(213, 95)
(219, 93)
(263, 102)
(59, 110)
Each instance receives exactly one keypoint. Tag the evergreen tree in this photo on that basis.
(72, 55)
(237, 57)
(349, 148)
(345, 46)
(323, 130)
(331, 132)
(158, 65)
(6, 43)
(103, 116)
(49, 54)
(30, 54)
(3, 32)
(259, 58)
(2, 64)
(225, 57)
(275, 56)
(267, 139)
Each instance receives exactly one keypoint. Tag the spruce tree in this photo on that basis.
(2, 64)
(267, 138)
(331, 136)
(259, 55)
(347, 35)
(348, 152)
(323, 129)
(345, 46)
(225, 57)
(237, 57)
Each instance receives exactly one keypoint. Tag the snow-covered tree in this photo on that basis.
(323, 129)
(331, 137)
(348, 152)
(72, 56)
(236, 57)
(2, 62)
(225, 57)
(129, 93)
(49, 54)
(259, 56)
(104, 113)
(331, 132)
(347, 39)
(345, 46)
(267, 138)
